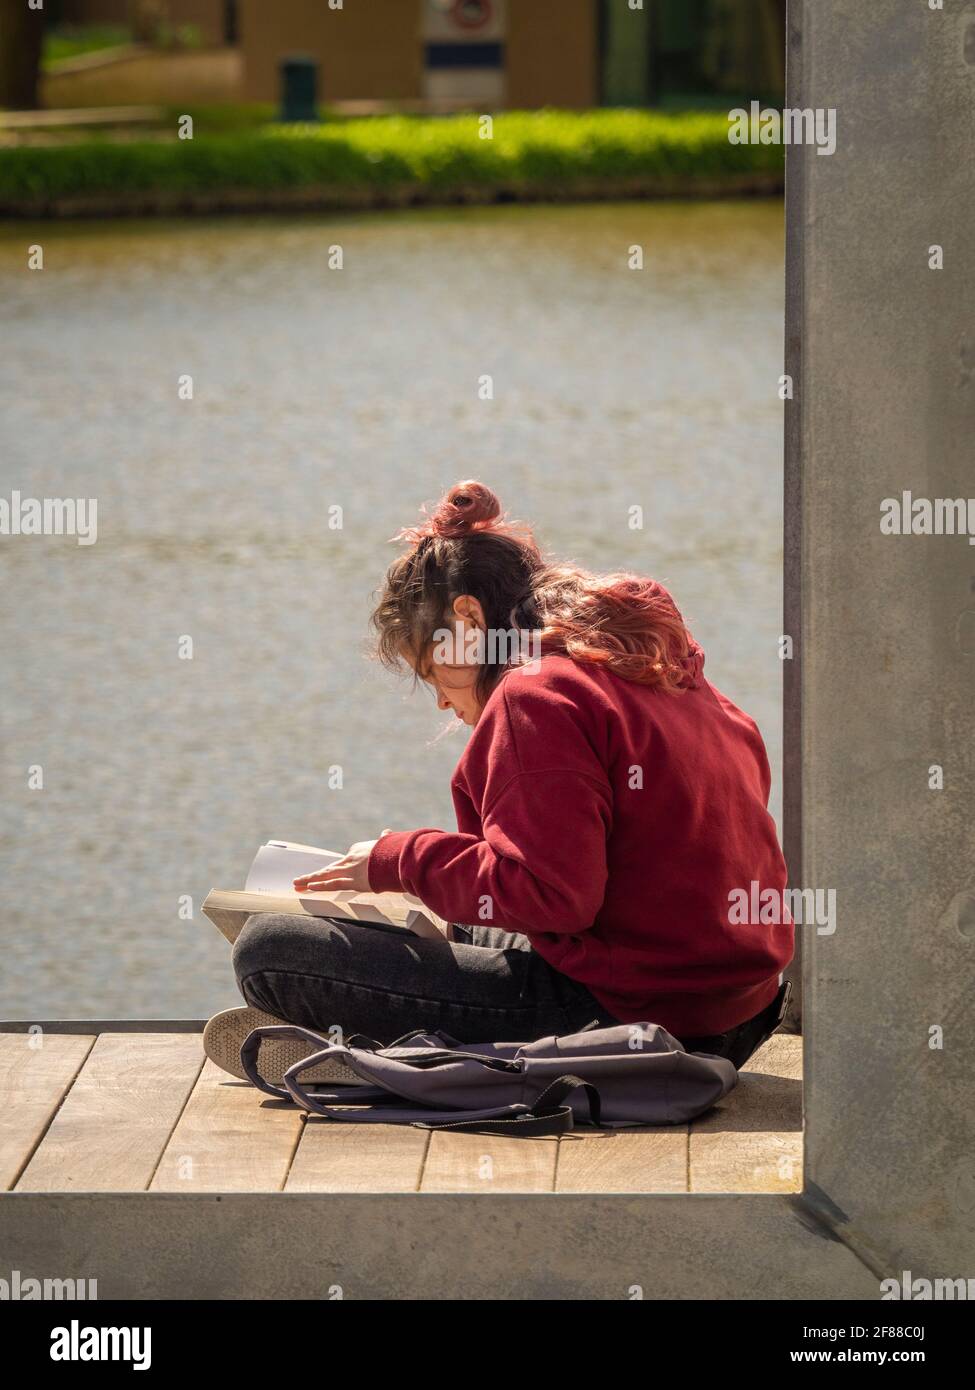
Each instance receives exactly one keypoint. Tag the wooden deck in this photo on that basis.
(138, 1111)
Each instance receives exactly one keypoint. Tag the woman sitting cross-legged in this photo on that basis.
(611, 810)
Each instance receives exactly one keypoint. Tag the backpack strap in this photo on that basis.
(372, 1095)
(426, 1033)
(413, 1033)
(251, 1046)
(547, 1116)
(363, 1042)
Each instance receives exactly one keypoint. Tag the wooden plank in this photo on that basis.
(649, 1159)
(752, 1141)
(91, 1027)
(36, 1069)
(335, 1157)
(114, 1123)
(488, 1163)
(229, 1138)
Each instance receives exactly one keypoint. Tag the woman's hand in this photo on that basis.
(348, 874)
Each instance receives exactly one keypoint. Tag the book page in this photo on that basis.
(278, 863)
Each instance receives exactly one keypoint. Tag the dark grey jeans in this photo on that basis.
(488, 987)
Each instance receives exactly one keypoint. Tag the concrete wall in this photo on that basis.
(886, 690)
(365, 51)
(425, 1246)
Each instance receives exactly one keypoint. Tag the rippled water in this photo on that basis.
(315, 387)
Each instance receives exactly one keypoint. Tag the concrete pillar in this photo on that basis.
(883, 689)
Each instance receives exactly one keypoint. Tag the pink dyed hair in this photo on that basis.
(624, 622)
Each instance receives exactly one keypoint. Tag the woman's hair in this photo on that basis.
(626, 623)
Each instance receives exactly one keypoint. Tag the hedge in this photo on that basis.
(437, 156)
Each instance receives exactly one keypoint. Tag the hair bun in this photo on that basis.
(467, 507)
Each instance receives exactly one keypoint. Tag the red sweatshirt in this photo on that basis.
(609, 823)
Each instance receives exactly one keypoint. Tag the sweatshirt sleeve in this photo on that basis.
(539, 864)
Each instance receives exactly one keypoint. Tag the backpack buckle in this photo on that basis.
(786, 996)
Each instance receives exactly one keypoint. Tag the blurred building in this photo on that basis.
(438, 54)
(521, 53)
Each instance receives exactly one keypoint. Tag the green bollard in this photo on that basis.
(299, 89)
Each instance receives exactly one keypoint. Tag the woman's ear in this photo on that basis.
(467, 608)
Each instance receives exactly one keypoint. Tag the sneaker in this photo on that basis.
(225, 1032)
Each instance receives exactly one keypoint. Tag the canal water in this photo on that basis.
(315, 388)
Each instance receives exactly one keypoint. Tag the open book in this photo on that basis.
(269, 889)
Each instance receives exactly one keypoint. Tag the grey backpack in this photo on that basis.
(630, 1074)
